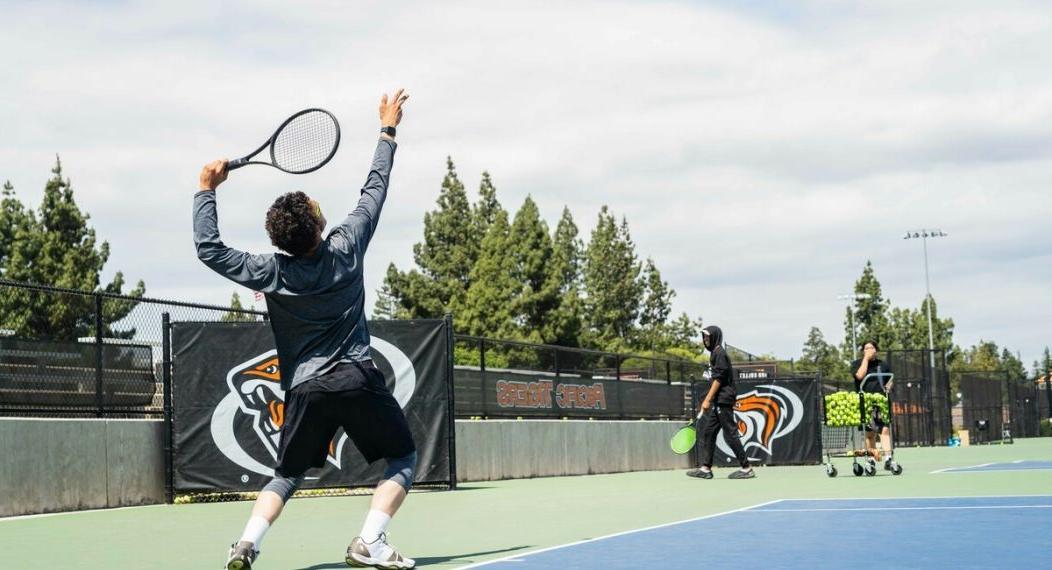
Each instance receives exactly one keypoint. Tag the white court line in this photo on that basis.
(518, 557)
(916, 497)
(947, 508)
(86, 511)
(960, 469)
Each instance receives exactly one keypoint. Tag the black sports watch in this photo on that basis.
(389, 131)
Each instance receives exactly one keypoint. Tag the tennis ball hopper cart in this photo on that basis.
(846, 419)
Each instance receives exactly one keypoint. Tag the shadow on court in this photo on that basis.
(426, 560)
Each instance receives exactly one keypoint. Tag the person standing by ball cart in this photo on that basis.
(879, 381)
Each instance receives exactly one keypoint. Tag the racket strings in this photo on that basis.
(305, 142)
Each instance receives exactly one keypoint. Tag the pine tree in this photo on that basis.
(612, 286)
(387, 306)
(14, 218)
(822, 357)
(488, 307)
(530, 249)
(870, 315)
(563, 323)
(486, 209)
(444, 259)
(657, 305)
(235, 314)
(56, 247)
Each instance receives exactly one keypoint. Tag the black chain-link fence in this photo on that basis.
(495, 378)
(994, 407)
(68, 353)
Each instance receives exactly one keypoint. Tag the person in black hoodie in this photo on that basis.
(723, 394)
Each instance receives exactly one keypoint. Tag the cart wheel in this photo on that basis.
(831, 471)
(897, 470)
(870, 470)
(856, 469)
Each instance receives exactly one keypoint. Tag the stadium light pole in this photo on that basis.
(851, 313)
(923, 235)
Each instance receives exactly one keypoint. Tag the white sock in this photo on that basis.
(254, 531)
(375, 523)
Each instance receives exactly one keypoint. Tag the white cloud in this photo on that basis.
(760, 155)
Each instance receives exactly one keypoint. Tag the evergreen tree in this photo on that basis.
(387, 306)
(685, 334)
(530, 249)
(1012, 366)
(14, 218)
(445, 257)
(56, 247)
(870, 315)
(656, 307)
(822, 357)
(236, 314)
(486, 209)
(488, 308)
(612, 286)
(563, 323)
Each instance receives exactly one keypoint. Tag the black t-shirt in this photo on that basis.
(875, 366)
(723, 372)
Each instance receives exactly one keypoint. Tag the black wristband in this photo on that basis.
(389, 131)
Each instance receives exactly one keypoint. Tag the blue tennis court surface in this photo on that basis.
(953, 532)
(1011, 466)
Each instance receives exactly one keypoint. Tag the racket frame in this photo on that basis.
(238, 163)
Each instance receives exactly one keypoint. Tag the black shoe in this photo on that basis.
(739, 474)
(699, 473)
(242, 555)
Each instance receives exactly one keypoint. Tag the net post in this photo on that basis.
(452, 438)
(98, 355)
(166, 387)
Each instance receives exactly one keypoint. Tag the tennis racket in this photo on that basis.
(304, 143)
(684, 439)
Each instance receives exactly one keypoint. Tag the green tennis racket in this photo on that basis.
(684, 439)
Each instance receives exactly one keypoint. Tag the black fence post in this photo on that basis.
(482, 374)
(98, 355)
(451, 403)
(166, 388)
(668, 372)
(555, 361)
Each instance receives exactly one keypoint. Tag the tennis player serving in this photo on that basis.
(316, 299)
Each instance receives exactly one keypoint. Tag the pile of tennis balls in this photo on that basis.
(842, 408)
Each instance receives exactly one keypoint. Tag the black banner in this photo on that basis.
(778, 422)
(229, 407)
(515, 393)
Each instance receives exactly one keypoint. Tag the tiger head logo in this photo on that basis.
(255, 398)
(257, 384)
(764, 415)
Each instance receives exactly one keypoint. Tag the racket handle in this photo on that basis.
(235, 164)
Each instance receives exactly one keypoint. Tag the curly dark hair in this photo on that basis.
(292, 223)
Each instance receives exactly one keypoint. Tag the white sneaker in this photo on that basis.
(376, 554)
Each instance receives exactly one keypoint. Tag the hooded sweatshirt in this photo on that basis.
(720, 365)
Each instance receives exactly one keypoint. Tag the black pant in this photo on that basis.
(721, 418)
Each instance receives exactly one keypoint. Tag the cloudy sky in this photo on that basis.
(761, 153)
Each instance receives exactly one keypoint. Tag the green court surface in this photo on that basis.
(489, 520)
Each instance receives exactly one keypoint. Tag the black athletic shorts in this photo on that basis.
(876, 425)
(367, 412)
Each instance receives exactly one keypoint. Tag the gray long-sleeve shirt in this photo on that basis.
(316, 304)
